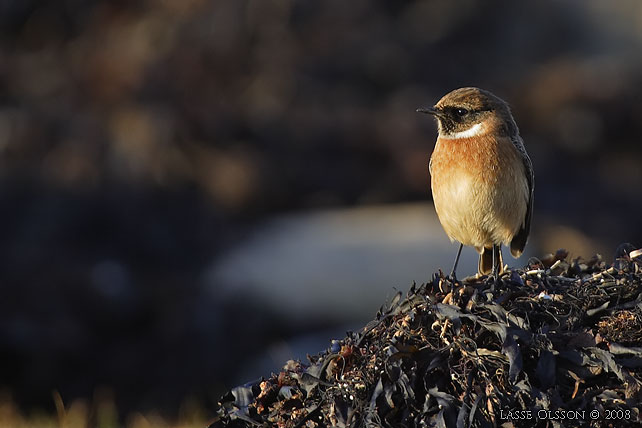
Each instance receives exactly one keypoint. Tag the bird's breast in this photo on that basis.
(479, 189)
(456, 163)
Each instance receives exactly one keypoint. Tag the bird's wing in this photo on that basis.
(519, 240)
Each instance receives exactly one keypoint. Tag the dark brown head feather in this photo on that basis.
(464, 107)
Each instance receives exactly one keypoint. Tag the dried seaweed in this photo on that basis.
(557, 343)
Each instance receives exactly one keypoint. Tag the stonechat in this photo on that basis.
(481, 176)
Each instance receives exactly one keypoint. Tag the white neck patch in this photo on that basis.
(473, 131)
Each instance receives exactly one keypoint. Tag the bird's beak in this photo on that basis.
(430, 110)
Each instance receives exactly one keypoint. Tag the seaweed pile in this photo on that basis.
(558, 343)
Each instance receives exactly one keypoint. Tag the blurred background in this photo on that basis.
(193, 192)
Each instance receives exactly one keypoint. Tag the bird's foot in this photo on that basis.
(495, 280)
(452, 277)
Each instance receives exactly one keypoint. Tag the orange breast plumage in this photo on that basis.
(479, 188)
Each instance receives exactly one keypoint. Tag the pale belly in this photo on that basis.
(479, 210)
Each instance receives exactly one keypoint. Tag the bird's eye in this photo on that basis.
(461, 112)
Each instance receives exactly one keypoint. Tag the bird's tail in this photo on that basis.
(485, 265)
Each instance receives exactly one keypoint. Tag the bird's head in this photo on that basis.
(469, 112)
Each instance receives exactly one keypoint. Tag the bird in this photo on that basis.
(481, 177)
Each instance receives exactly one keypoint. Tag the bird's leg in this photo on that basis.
(452, 273)
(496, 261)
